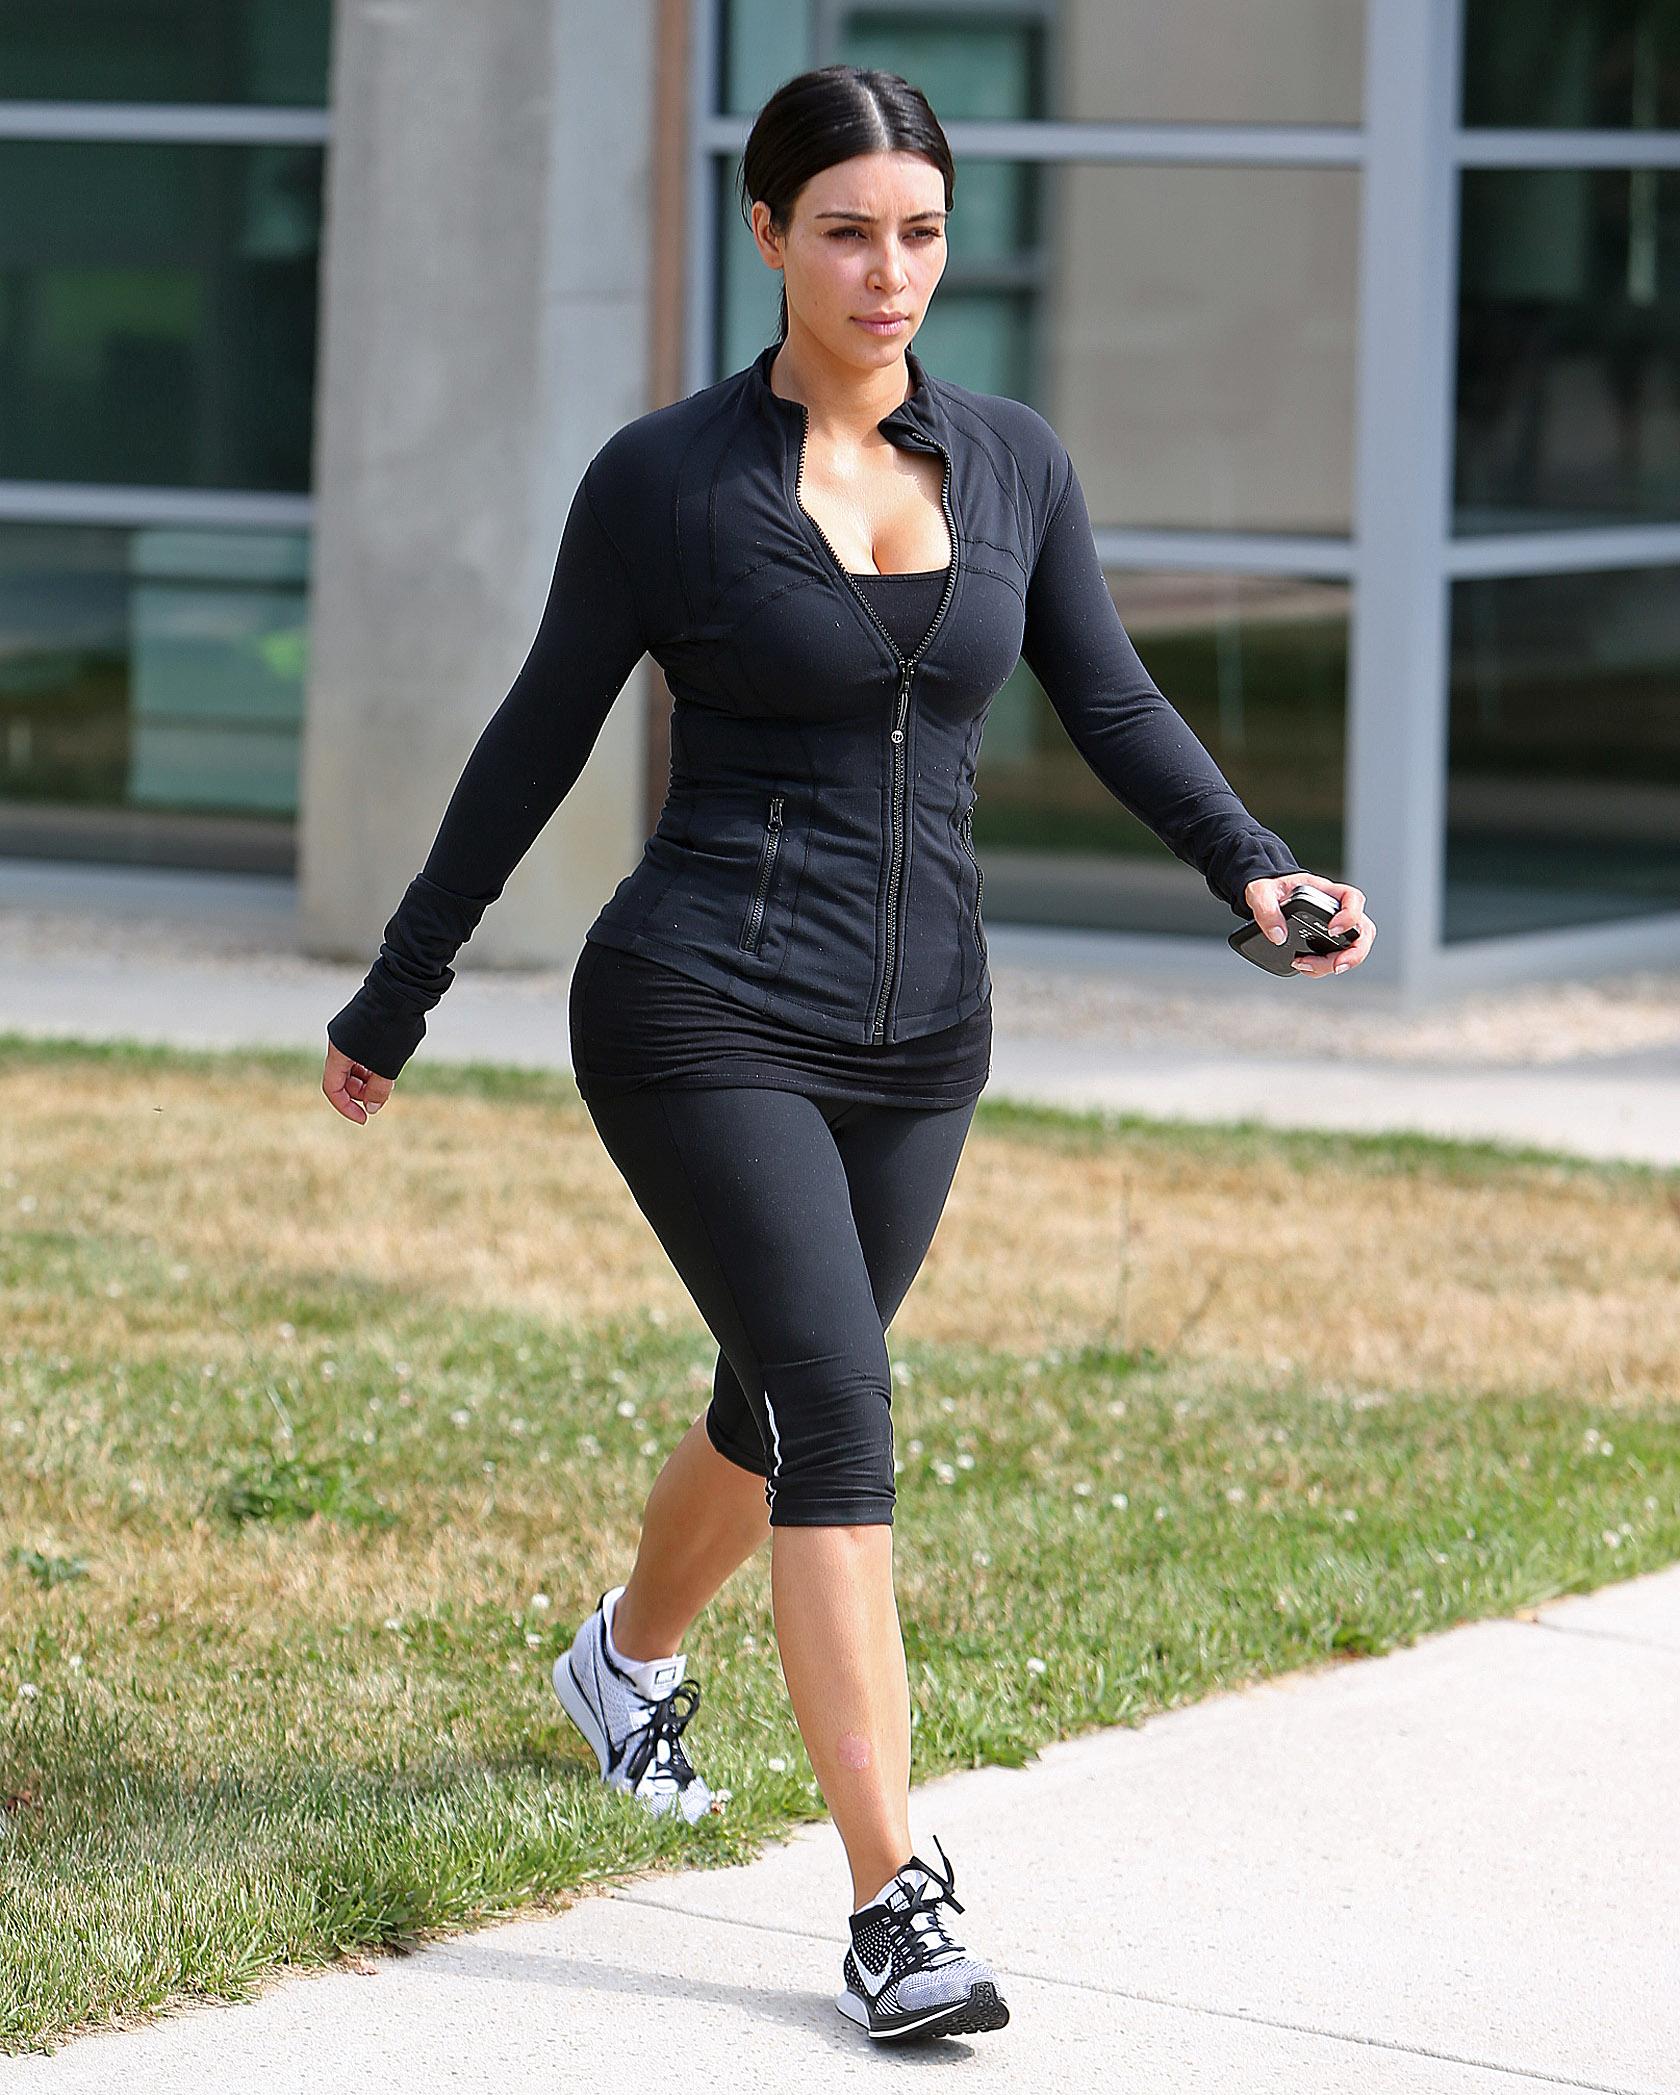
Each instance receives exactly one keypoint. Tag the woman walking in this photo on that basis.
(781, 1019)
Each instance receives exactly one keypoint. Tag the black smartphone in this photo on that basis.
(1306, 912)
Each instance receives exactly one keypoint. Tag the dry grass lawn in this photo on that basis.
(1356, 1265)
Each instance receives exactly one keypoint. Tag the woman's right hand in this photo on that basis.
(357, 1091)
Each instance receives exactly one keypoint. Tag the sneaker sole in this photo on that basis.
(982, 2009)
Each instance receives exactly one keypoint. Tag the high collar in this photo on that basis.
(919, 414)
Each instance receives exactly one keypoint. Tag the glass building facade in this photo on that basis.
(160, 225)
(1164, 220)
(1563, 719)
(1360, 317)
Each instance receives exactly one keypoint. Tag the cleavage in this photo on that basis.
(908, 534)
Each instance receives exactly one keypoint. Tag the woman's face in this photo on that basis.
(867, 237)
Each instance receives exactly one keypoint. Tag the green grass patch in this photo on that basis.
(289, 1557)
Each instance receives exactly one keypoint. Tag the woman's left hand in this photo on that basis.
(1266, 898)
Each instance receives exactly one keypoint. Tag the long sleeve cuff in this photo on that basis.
(385, 1021)
(1251, 854)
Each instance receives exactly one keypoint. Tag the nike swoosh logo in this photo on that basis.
(615, 1747)
(873, 1981)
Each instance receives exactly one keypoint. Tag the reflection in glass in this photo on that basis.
(1189, 332)
(158, 669)
(1588, 65)
(158, 308)
(1258, 667)
(1198, 61)
(1563, 772)
(269, 52)
(1568, 347)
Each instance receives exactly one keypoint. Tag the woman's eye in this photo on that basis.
(844, 232)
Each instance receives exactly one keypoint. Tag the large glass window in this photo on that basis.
(1584, 65)
(1258, 667)
(1568, 347)
(155, 670)
(1196, 61)
(273, 52)
(1188, 330)
(1563, 781)
(158, 313)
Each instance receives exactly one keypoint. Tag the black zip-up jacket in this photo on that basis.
(813, 856)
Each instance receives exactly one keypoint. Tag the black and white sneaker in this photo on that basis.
(634, 1722)
(904, 1973)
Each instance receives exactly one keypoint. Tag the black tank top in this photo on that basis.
(636, 1022)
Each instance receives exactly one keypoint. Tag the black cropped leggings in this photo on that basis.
(797, 1224)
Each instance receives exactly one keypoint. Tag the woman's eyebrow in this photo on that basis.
(868, 218)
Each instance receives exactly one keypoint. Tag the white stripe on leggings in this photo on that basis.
(775, 1451)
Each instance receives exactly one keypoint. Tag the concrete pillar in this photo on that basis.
(486, 291)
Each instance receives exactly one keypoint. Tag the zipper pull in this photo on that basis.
(776, 811)
(903, 701)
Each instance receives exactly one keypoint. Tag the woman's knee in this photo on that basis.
(733, 1444)
(830, 1442)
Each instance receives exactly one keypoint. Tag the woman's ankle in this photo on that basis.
(865, 1893)
(628, 1638)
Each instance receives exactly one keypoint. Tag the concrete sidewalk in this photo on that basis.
(1451, 1870)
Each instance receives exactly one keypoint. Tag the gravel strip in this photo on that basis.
(1529, 1024)
(1532, 1024)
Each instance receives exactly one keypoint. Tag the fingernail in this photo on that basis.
(1276, 934)
(1342, 967)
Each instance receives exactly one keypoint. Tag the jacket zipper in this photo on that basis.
(766, 864)
(907, 669)
(967, 835)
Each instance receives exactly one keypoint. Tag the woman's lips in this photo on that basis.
(885, 327)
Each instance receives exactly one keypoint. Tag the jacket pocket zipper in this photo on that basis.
(966, 834)
(753, 927)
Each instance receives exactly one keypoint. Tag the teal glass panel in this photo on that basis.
(1586, 65)
(761, 44)
(156, 669)
(1563, 761)
(158, 313)
(1196, 61)
(980, 328)
(272, 53)
(1568, 388)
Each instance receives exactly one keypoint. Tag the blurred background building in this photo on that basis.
(1360, 317)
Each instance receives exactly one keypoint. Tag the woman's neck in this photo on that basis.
(840, 400)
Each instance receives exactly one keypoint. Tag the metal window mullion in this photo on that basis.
(705, 28)
(164, 123)
(1231, 552)
(1398, 656)
(1055, 139)
(1566, 149)
(64, 502)
(1565, 551)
